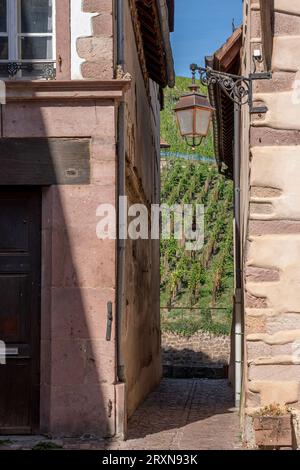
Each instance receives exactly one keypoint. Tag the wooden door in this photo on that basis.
(20, 274)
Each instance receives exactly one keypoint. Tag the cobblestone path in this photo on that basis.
(178, 415)
(186, 415)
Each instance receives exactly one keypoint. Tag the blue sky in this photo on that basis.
(201, 27)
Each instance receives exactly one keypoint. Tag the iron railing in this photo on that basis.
(37, 69)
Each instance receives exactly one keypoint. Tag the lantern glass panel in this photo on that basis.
(202, 121)
(186, 121)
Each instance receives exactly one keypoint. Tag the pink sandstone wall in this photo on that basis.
(63, 39)
(85, 39)
(141, 315)
(78, 366)
(97, 50)
(78, 272)
(78, 387)
(272, 246)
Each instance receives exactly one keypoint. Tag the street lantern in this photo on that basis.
(194, 115)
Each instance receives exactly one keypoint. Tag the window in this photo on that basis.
(3, 31)
(26, 37)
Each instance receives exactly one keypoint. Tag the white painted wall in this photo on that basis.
(81, 26)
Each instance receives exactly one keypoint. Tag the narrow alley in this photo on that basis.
(149, 228)
(186, 415)
(178, 415)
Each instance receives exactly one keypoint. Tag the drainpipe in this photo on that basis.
(121, 192)
(238, 263)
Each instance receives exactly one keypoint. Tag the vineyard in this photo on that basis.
(196, 286)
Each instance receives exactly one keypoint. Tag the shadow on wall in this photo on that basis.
(77, 367)
(187, 363)
(194, 355)
(77, 364)
(200, 355)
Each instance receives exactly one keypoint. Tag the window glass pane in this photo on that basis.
(36, 16)
(3, 28)
(3, 48)
(36, 48)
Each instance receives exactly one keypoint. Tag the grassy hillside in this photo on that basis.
(199, 280)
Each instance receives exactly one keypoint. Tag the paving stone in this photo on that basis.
(181, 414)
(186, 415)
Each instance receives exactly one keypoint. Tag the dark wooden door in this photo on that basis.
(20, 274)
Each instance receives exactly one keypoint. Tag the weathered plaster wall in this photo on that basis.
(92, 39)
(272, 254)
(141, 316)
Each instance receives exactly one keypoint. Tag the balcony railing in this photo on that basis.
(31, 70)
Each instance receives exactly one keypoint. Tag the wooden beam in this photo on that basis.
(228, 53)
(267, 27)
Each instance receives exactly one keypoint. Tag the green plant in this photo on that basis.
(47, 445)
(5, 442)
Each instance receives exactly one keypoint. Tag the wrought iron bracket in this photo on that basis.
(237, 87)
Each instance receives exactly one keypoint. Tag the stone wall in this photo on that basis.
(92, 41)
(272, 249)
(77, 384)
(78, 365)
(202, 348)
(140, 343)
(93, 56)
